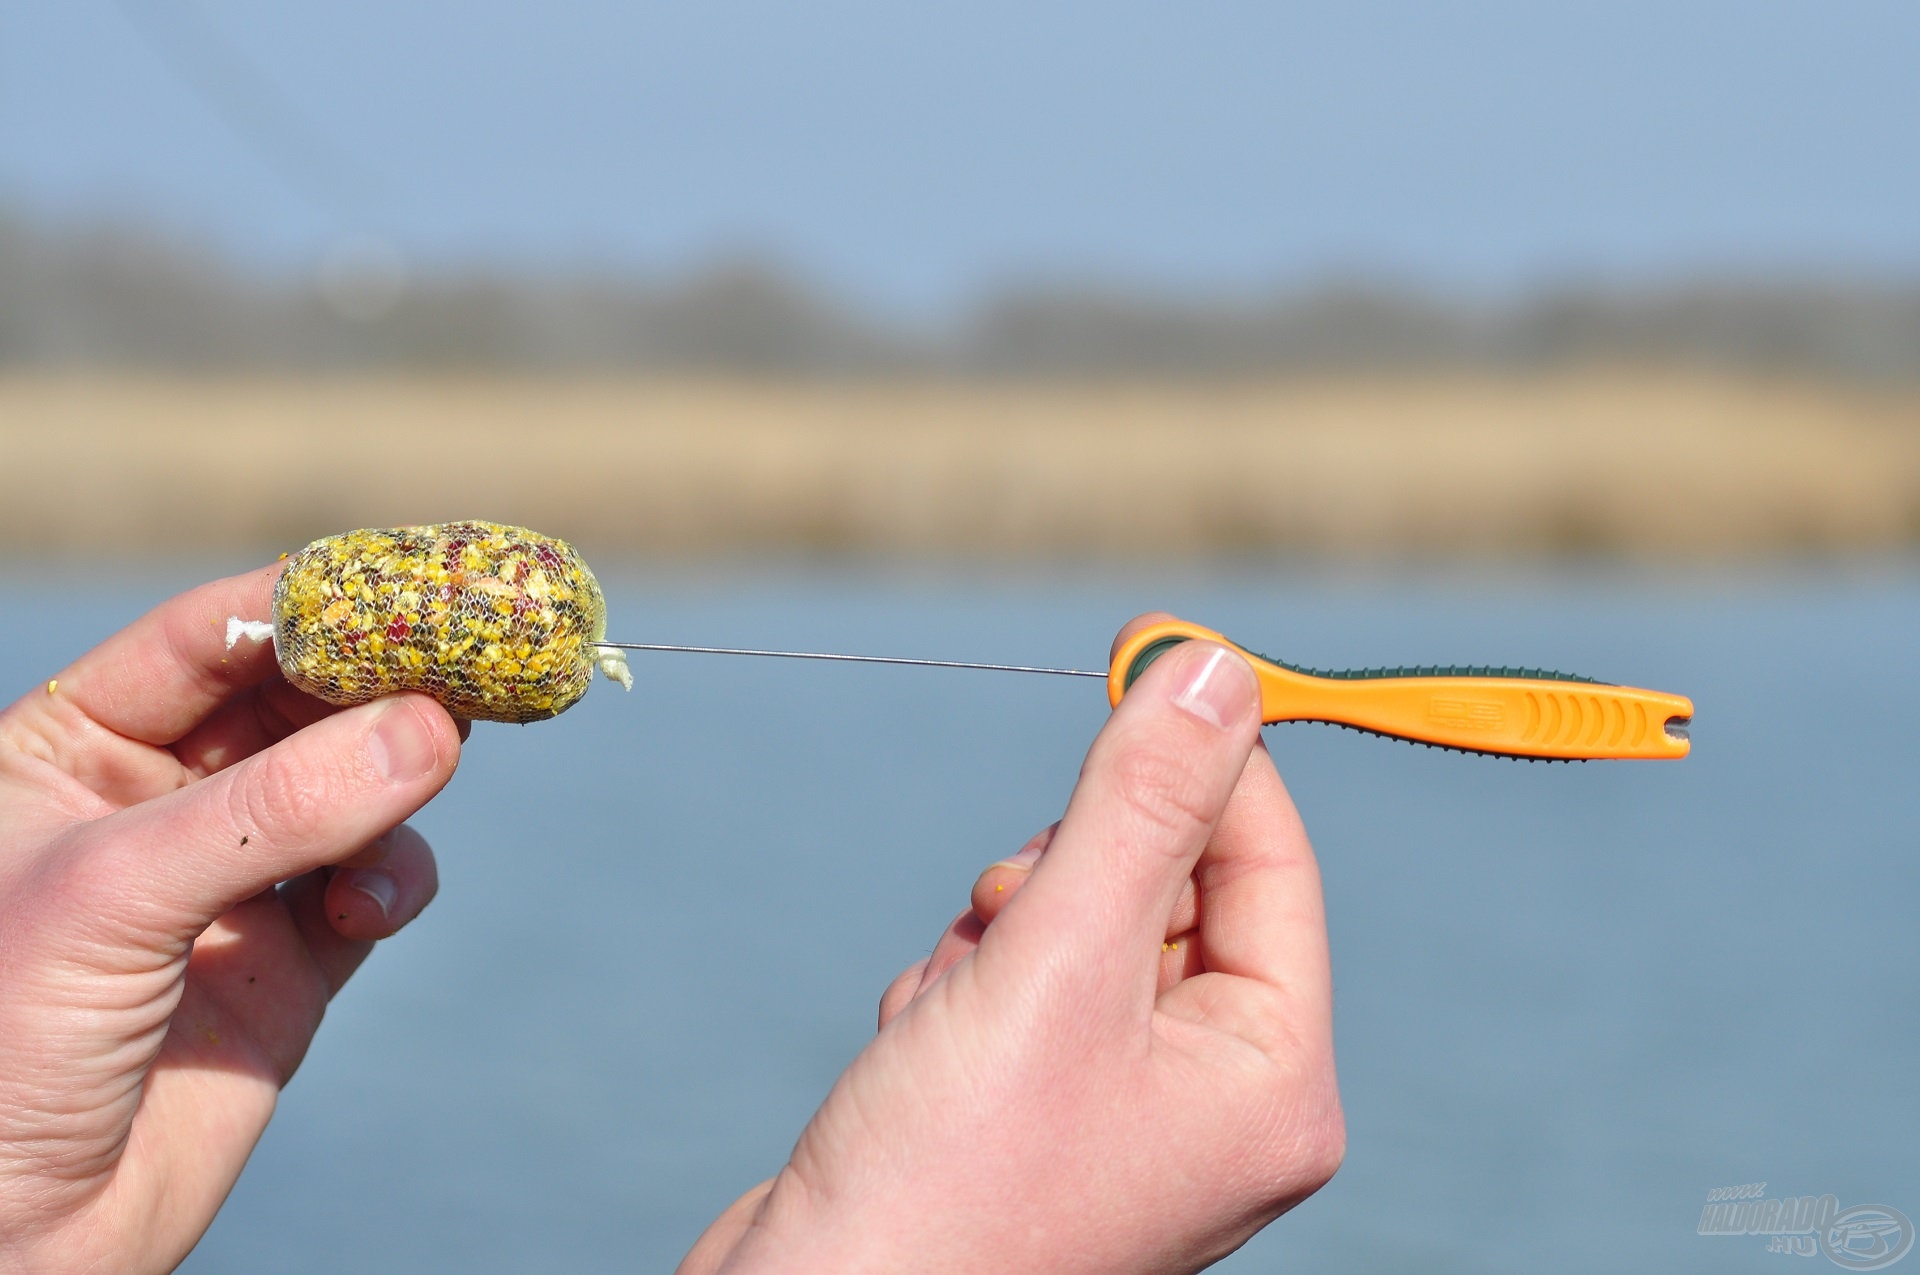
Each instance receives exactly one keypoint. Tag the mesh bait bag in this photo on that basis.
(497, 623)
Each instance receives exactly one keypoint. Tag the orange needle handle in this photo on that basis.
(1510, 716)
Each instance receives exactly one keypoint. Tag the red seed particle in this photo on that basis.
(399, 629)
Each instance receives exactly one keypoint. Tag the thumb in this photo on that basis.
(158, 873)
(1154, 785)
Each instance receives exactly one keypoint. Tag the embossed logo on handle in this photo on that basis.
(1466, 714)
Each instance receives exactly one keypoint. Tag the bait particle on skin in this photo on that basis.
(497, 623)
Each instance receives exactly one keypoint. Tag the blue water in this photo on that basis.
(1571, 999)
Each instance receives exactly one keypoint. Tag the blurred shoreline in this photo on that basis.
(1611, 461)
(130, 297)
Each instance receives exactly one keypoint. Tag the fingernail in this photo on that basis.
(401, 746)
(1026, 858)
(376, 885)
(1217, 692)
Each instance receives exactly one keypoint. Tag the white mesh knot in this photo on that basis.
(612, 662)
(255, 630)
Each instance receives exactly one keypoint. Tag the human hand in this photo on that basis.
(1119, 1060)
(156, 988)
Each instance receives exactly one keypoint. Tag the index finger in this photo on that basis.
(165, 673)
(1262, 912)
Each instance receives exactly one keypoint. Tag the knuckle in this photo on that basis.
(1326, 1147)
(1323, 1145)
(1317, 1143)
(1302, 1145)
(1164, 790)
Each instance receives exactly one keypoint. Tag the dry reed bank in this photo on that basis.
(1634, 462)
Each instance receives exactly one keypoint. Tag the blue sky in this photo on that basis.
(915, 153)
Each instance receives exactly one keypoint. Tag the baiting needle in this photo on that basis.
(1510, 712)
(854, 659)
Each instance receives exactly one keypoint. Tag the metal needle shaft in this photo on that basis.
(852, 659)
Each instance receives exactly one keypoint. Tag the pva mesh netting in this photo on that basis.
(497, 623)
